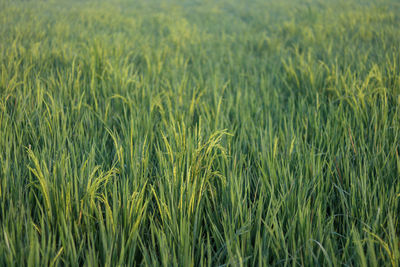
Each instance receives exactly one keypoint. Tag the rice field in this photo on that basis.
(200, 133)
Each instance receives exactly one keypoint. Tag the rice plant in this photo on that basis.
(200, 133)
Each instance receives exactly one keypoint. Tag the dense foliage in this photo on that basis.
(200, 132)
